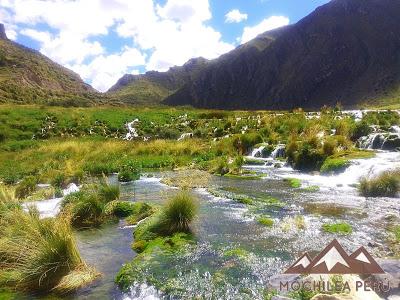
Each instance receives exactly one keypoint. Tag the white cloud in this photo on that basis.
(235, 16)
(171, 33)
(104, 71)
(267, 24)
(175, 33)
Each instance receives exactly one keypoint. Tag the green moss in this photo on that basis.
(244, 177)
(312, 188)
(396, 231)
(254, 161)
(266, 221)
(293, 182)
(338, 228)
(335, 165)
(236, 252)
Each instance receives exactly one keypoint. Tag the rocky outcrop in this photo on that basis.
(3, 35)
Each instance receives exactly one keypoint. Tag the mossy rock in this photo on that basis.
(338, 228)
(268, 222)
(335, 165)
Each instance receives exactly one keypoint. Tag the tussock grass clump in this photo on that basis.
(386, 184)
(26, 187)
(173, 218)
(8, 201)
(178, 213)
(36, 254)
(86, 208)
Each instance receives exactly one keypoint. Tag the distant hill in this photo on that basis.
(153, 87)
(26, 76)
(346, 51)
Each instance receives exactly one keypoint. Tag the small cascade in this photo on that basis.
(258, 152)
(279, 151)
(372, 141)
(185, 136)
(389, 141)
(395, 129)
(132, 132)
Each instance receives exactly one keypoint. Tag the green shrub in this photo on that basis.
(59, 181)
(361, 129)
(338, 228)
(128, 172)
(308, 158)
(334, 165)
(220, 166)
(26, 187)
(386, 184)
(245, 142)
(120, 209)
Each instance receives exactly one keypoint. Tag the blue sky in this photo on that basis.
(103, 39)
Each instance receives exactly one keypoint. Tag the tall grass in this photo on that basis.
(36, 254)
(86, 208)
(174, 217)
(387, 184)
(178, 213)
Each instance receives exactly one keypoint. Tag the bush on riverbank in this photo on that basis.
(386, 184)
(128, 172)
(38, 255)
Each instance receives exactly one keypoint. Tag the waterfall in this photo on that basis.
(381, 141)
(258, 152)
(132, 132)
(279, 151)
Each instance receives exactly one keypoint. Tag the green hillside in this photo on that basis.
(26, 76)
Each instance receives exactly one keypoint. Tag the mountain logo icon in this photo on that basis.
(334, 260)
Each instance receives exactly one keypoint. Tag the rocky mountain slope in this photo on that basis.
(346, 51)
(153, 87)
(26, 76)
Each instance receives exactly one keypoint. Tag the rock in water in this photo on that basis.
(392, 142)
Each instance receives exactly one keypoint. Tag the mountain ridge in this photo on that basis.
(336, 54)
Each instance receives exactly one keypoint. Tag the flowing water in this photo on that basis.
(234, 254)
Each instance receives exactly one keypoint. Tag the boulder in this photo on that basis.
(392, 142)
